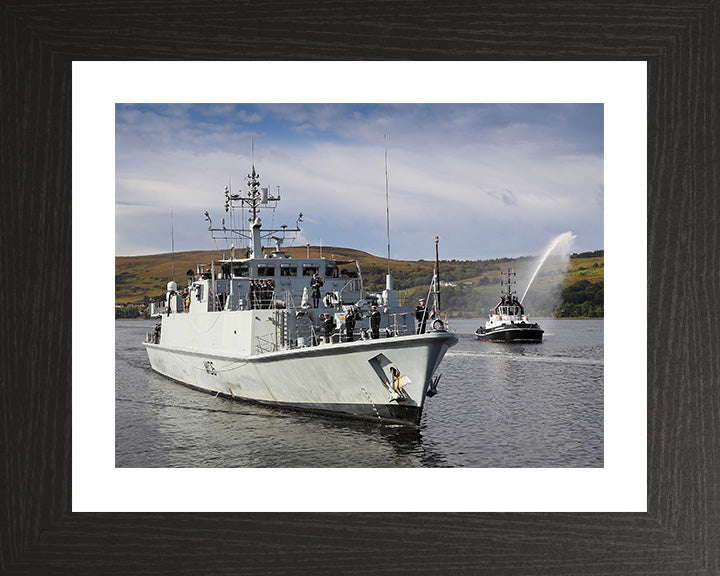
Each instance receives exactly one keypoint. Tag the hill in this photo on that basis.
(470, 287)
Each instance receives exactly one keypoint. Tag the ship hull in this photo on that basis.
(511, 333)
(354, 379)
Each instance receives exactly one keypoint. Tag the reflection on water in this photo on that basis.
(500, 405)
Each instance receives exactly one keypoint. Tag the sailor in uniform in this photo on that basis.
(329, 326)
(375, 323)
(421, 316)
(349, 325)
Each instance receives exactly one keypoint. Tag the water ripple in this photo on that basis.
(499, 405)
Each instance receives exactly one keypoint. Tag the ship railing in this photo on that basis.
(158, 309)
(396, 327)
(264, 345)
(282, 299)
(289, 299)
(352, 285)
(263, 300)
(163, 310)
(153, 337)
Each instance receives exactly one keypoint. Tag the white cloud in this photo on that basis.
(451, 169)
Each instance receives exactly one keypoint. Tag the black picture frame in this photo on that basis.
(38, 532)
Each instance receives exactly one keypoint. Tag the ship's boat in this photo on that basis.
(302, 333)
(508, 321)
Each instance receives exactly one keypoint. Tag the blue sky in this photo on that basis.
(491, 180)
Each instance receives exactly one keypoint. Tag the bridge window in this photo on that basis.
(309, 270)
(287, 270)
(349, 273)
(265, 270)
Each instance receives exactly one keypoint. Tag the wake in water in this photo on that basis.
(502, 353)
(557, 257)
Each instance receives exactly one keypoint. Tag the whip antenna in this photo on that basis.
(437, 276)
(388, 281)
(172, 243)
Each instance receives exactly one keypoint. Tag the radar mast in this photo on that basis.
(254, 200)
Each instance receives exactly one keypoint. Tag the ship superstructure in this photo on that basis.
(262, 326)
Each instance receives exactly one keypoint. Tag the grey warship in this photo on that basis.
(301, 333)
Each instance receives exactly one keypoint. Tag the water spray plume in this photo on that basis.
(561, 245)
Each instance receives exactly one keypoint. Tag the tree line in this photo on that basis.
(582, 299)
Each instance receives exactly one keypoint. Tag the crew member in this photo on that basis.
(329, 326)
(316, 283)
(375, 323)
(253, 295)
(421, 316)
(349, 325)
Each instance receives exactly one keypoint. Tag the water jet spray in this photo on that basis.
(560, 244)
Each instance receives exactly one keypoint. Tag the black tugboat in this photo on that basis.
(508, 322)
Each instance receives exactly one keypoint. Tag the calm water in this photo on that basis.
(499, 405)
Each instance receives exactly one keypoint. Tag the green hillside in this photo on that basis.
(470, 287)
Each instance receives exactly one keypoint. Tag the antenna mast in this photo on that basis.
(254, 200)
(172, 243)
(437, 276)
(387, 206)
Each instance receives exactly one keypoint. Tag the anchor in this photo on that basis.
(397, 394)
(432, 389)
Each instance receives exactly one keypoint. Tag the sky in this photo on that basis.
(491, 180)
